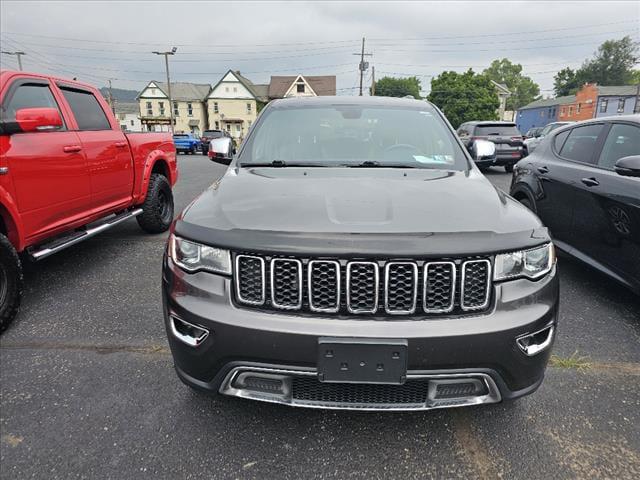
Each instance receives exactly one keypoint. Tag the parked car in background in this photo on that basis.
(531, 143)
(583, 181)
(68, 172)
(186, 142)
(209, 135)
(533, 132)
(352, 256)
(506, 137)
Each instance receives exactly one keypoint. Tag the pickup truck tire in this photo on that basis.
(157, 209)
(11, 282)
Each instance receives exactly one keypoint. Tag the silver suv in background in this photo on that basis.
(530, 144)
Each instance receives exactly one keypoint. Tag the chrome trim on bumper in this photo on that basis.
(492, 395)
(531, 349)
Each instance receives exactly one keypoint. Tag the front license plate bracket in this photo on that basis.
(362, 360)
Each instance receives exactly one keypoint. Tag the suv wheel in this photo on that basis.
(508, 167)
(157, 209)
(11, 282)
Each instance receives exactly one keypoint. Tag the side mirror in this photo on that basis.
(483, 150)
(32, 120)
(221, 150)
(628, 166)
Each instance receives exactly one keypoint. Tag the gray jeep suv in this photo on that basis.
(353, 256)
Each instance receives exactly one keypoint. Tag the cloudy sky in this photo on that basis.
(96, 41)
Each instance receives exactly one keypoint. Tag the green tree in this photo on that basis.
(612, 64)
(523, 89)
(464, 96)
(398, 87)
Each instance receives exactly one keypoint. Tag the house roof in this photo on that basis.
(127, 107)
(501, 87)
(258, 91)
(321, 84)
(618, 91)
(550, 102)
(185, 91)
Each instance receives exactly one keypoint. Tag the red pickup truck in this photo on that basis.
(67, 172)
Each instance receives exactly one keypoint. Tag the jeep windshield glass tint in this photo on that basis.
(353, 135)
(499, 130)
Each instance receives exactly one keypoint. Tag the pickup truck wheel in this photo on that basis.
(11, 282)
(157, 209)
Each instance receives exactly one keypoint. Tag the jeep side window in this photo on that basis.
(29, 95)
(85, 107)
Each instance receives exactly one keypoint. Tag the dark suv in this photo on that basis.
(508, 140)
(352, 256)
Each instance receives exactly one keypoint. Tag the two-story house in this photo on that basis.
(188, 104)
(617, 100)
(233, 104)
(128, 115)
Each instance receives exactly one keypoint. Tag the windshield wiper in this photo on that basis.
(281, 164)
(375, 164)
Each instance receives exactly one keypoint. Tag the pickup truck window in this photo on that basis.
(349, 135)
(85, 107)
(29, 95)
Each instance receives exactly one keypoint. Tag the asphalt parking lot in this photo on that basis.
(88, 391)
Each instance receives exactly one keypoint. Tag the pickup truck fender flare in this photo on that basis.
(11, 219)
(156, 161)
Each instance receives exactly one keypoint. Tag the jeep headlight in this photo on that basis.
(193, 257)
(531, 264)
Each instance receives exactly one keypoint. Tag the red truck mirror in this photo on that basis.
(38, 119)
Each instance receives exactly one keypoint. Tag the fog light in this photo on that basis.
(534, 343)
(192, 335)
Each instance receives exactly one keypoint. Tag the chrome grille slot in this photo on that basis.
(286, 283)
(439, 287)
(476, 280)
(400, 287)
(250, 279)
(324, 286)
(362, 287)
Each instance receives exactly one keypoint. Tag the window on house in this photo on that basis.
(603, 105)
(215, 108)
(235, 89)
(153, 91)
(541, 113)
(248, 107)
(578, 108)
(549, 113)
(217, 125)
(249, 124)
(226, 89)
(621, 105)
(228, 127)
(554, 112)
(132, 123)
(190, 109)
(238, 127)
(562, 111)
(149, 109)
(300, 87)
(176, 112)
(161, 105)
(570, 111)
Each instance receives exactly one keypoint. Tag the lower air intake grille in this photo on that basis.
(310, 390)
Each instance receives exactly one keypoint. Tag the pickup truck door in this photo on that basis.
(48, 168)
(106, 148)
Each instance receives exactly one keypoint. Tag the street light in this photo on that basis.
(17, 54)
(166, 64)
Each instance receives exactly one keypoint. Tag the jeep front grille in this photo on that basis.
(359, 287)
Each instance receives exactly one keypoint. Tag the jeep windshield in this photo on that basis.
(342, 135)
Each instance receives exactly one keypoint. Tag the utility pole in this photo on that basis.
(166, 65)
(363, 65)
(113, 107)
(373, 81)
(18, 55)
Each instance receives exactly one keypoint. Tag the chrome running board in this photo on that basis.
(44, 250)
(275, 386)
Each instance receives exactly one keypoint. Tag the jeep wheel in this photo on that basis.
(10, 282)
(157, 209)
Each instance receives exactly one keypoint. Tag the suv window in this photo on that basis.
(559, 140)
(348, 135)
(29, 95)
(622, 141)
(581, 143)
(498, 129)
(85, 107)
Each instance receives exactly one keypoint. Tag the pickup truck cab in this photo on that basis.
(186, 142)
(65, 164)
